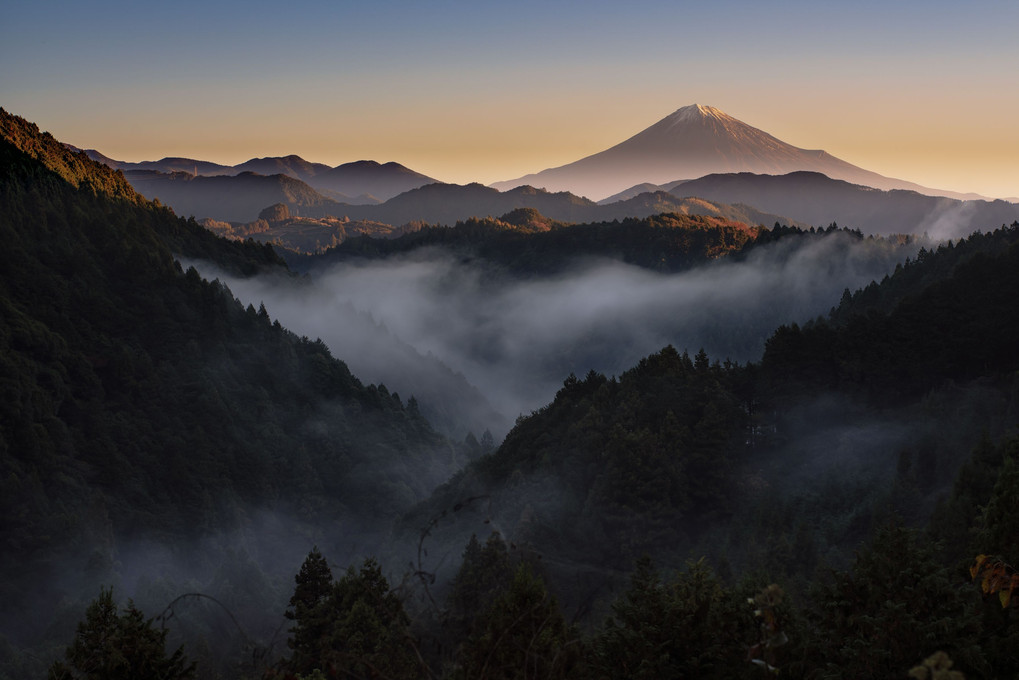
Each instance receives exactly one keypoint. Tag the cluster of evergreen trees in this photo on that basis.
(139, 400)
(905, 599)
(525, 243)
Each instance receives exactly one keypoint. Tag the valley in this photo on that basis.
(462, 428)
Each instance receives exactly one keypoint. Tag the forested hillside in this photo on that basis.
(632, 446)
(848, 432)
(141, 402)
(524, 300)
(951, 316)
(526, 242)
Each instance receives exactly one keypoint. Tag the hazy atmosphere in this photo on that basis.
(507, 341)
(516, 340)
(465, 91)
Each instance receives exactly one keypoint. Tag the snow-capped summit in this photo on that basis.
(691, 142)
(696, 112)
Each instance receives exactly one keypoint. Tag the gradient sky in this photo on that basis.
(482, 91)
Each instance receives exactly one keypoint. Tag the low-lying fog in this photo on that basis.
(516, 339)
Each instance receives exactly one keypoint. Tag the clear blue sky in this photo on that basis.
(925, 91)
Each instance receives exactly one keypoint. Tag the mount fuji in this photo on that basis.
(692, 142)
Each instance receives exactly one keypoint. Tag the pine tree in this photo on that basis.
(353, 628)
(687, 626)
(522, 634)
(484, 573)
(310, 613)
(112, 646)
(897, 606)
(369, 635)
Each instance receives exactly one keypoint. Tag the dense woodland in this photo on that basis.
(526, 242)
(142, 402)
(845, 507)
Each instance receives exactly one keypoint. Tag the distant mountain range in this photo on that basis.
(795, 199)
(242, 198)
(819, 200)
(744, 175)
(449, 203)
(695, 141)
(233, 198)
(357, 182)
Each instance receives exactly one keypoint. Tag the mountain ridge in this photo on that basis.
(362, 180)
(450, 203)
(817, 199)
(694, 141)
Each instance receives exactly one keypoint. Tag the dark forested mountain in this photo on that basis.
(816, 199)
(231, 198)
(950, 315)
(692, 142)
(141, 402)
(381, 181)
(946, 318)
(525, 242)
(614, 468)
(915, 275)
(681, 454)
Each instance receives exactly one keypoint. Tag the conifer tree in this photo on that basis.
(687, 626)
(309, 612)
(522, 634)
(112, 646)
(484, 573)
(897, 606)
(368, 636)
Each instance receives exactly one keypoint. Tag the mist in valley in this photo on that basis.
(400, 321)
(472, 337)
(478, 346)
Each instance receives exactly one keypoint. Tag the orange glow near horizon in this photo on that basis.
(486, 92)
(505, 148)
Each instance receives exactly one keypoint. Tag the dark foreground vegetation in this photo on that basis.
(848, 507)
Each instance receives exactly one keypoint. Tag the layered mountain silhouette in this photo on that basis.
(243, 198)
(233, 198)
(692, 142)
(796, 199)
(357, 182)
(369, 178)
(449, 203)
(293, 166)
(819, 200)
(167, 165)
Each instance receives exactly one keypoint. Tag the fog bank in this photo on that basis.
(515, 339)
